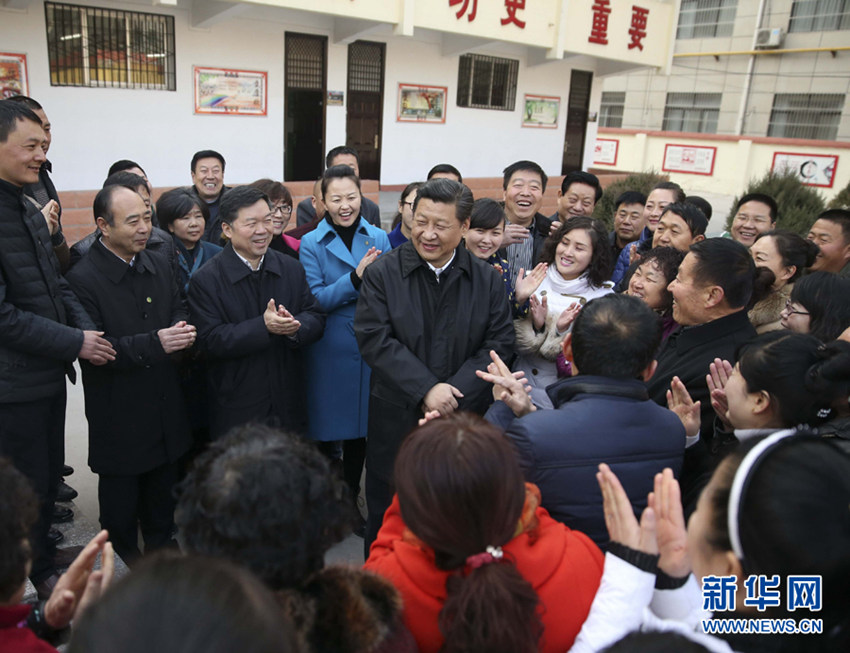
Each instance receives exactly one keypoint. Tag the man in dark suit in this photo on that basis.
(44, 330)
(711, 292)
(602, 414)
(254, 312)
(138, 425)
(428, 315)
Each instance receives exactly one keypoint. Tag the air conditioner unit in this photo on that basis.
(768, 38)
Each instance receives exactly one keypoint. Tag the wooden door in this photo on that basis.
(365, 105)
(304, 106)
(577, 107)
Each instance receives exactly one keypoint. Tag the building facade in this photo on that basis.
(764, 83)
(274, 84)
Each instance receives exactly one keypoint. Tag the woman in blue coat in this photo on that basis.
(334, 256)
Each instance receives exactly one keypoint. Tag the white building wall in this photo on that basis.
(93, 127)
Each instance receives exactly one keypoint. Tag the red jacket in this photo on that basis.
(14, 634)
(563, 566)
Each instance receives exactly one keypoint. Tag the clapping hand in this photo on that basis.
(719, 373)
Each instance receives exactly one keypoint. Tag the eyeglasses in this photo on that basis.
(283, 209)
(791, 311)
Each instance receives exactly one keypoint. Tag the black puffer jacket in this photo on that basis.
(40, 317)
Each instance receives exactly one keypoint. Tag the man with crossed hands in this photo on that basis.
(254, 312)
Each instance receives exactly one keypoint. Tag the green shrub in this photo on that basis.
(842, 200)
(639, 181)
(798, 204)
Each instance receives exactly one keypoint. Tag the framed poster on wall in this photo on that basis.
(812, 169)
(541, 111)
(13, 75)
(690, 159)
(230, 92)
(421, 103)
(605, 151)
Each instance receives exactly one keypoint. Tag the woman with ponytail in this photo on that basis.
(480, 566)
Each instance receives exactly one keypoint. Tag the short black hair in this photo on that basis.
(615, 336)
(582, 177)
(341, 171)
(826, 296)
(341, 149)
(702, 204)
(671, 186)
(126, 179)
(177, 202)
(26, 101)
(447, 191)
(655, 642)
(764, 199)
(693, 217)
(523, 165)
(487, 214)
(228, 505)
(102, 206)
(599, 269)
(10, 114)
(793, 250)
(841, 217)
(727, 263)
(206, 154)
(18, 512)
(445, 168)
(630, 197)
(124, 164)
(237, 198)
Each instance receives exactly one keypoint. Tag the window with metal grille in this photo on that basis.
(611, 109)
(366, 67)
(305, 61)
(706, 18)
(486, 82)
(806, 115)
(819, 15)
(91, 46)
(692, 112)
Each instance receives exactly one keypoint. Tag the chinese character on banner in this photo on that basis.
(804, 592)
(512, 6)
(638, 30)
(462, 10)
(762, 592)
(599, 29)
(718, 593)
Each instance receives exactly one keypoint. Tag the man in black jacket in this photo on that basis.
(711, 293)
(254, 312)
(44, 330)
(428, 315)
(138, 425)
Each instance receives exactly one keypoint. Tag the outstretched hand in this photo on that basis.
(509, 387)
(526, 284)
(80, 586)
(623, 526)
(671, 533)
(687, 410)
(719, 373)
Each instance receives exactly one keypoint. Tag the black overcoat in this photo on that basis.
(414, 333)
(134, 405)
(254, 375)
